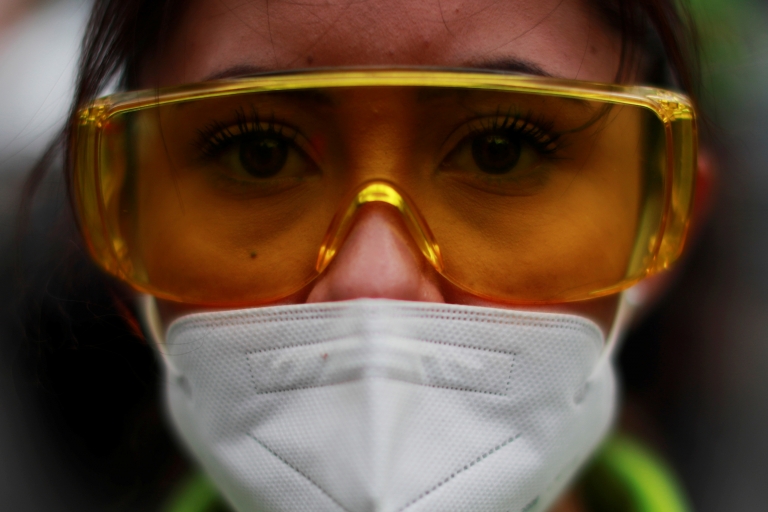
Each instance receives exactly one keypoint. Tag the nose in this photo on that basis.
(379, 259)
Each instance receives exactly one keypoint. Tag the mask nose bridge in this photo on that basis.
(378, 191)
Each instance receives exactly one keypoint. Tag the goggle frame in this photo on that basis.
(674, 110)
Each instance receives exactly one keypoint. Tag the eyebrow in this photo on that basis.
(509, 65)
(235, 71)
(506, 64)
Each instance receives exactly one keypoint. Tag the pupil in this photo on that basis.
(263, 157)
(495, 154)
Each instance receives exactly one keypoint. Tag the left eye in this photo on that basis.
(492, 155)
(263, 156)
(506, 151)
(496, 153)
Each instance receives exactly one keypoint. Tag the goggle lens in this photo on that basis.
(522, 196)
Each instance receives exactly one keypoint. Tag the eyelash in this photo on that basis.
(215, 137)
(538, 132)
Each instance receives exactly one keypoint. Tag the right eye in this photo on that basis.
(258, 152)
(496, 153)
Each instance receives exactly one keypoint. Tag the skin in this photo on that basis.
(562, 38)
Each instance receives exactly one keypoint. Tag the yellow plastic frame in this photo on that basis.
(674, 110)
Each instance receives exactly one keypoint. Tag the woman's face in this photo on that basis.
(222, 38)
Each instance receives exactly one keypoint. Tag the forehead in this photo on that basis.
(563, 38)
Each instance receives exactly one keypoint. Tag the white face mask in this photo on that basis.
(379, 405)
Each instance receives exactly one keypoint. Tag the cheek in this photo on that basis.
(602, 310)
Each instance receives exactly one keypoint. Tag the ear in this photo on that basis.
(646, 293)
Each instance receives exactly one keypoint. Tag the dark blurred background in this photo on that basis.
(79, 424)
(80, 428)
(699, 363)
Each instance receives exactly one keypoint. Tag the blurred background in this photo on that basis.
(707, 343)
(39, 43)
(79, 425)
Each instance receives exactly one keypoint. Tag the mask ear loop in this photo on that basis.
(152, 325)
(150, 319)
(629, 301)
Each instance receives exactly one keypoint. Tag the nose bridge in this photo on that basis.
(379, 127)
(378, 191)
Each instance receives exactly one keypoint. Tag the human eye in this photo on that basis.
(505, 153)
(254, 150)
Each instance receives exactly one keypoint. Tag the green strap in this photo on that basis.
(627, 477)
(195, 494)
(624, 477)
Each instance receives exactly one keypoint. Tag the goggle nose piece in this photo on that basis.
(378, 191)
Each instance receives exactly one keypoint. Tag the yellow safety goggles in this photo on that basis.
(515, 188)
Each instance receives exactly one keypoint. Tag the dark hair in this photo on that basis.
(72, 305)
